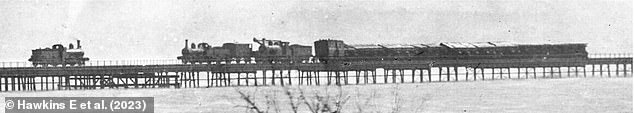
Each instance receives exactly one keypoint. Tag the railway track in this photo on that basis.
(339, 73)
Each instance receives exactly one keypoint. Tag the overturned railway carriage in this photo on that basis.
(269, 51)
(337, 50)
(58, 55)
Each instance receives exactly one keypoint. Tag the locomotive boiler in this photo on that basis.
(269, 51)
(58, 55)
(277, 51)
(205, 53)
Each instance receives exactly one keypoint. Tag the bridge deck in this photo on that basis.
(342, 66)
(333, 72)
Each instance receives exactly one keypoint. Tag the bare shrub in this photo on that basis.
(271, 101)
(398, 102)
(341, 100)
(293, 100)
(249, 100)
(321, 101)
(421, 102)
(324, 102)
(312, 105)
(362, 105)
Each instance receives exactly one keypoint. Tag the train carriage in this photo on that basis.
(336, 50)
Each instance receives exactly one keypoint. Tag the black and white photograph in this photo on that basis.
(316, 56)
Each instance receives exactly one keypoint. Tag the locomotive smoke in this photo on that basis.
(74, 9)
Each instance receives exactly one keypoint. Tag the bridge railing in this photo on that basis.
(610, 55)
(103, 62)
(165, 61)
(171, 61)
(15, 64)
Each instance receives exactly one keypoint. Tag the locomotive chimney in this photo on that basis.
(186, 41)
(78, 44)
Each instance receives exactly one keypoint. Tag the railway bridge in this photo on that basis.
(131, 75)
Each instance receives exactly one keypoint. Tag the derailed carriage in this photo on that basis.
(269, 51)
(58, 55)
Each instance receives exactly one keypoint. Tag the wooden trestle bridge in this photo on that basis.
(342, 73)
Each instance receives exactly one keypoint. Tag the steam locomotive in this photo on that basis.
(277, 51)
(58, 55)
(337, 50)
(270, 51)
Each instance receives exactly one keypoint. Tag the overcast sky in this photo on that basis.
(141, 29)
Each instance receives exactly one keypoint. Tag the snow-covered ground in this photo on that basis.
(566, 95)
